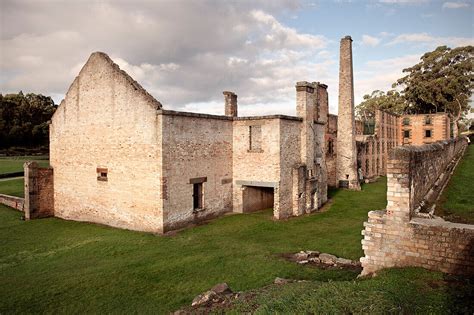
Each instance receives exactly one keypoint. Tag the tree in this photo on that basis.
(441, 82)
(391, 102)
(24, 119)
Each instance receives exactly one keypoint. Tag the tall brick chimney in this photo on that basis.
(347, 175)
(230, 99)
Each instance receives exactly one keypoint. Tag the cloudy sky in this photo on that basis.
(185, 53)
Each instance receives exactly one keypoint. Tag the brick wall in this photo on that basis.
(12, 201)
(39, 191)
(416, 126)
(397, 236)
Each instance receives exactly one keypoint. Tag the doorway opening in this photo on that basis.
(257, 198)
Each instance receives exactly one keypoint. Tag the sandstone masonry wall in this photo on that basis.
(107, 125)
(397, 237)
(195, 147)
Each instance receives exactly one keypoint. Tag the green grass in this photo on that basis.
(15, 164)
(457, 201)
(12, 187)
(400, 291)
(52, 265)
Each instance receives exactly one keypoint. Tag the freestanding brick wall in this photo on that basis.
(39, 191)
(398, 236)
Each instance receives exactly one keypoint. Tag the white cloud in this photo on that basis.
(425, 38)
(380, 74)
(455, 5)
(238, 46)
(402, 2)
(370, 40)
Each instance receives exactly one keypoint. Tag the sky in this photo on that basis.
(185, 53)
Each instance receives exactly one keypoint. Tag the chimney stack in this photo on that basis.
(230, 99)
(347, 174)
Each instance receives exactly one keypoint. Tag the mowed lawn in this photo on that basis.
(52, 265)
(12, 187)
(457, 201)
(15, 164)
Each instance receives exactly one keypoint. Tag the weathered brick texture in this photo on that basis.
(39, 191)
(12, 201)
(397, 237)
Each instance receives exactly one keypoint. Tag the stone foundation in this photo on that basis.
(398, 236)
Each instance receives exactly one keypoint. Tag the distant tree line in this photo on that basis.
(24, 120)
(442, 81)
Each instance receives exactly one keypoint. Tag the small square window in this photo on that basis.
(102, 174)
(406, 121)
(427, 133)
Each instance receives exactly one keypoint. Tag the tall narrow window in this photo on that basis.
(406, 133)
(197, 196)
(255, 133)
(427, 120)
(427, 133)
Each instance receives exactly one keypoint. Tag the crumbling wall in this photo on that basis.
(331, 149)
(397, 236)
(39, 191)
(12, 201)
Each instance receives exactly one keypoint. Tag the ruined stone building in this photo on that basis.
(119, 158)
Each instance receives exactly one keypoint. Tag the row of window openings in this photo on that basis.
(406, 121)
(428, 133)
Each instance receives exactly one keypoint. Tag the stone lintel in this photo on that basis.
(198, 180)
(256, 183)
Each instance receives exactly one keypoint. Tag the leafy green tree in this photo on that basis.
(24, 119)
(391, 102)
(441, 82)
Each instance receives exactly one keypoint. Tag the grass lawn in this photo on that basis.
(457, 201)
(12, 187)
(15, 164)
(52, 265)
(398, 291)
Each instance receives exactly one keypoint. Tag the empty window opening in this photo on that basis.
(406, 121)
(255, 133)
(406, 133)
(427, 133)
(427, 120)
(197, 196)
(102, 174)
